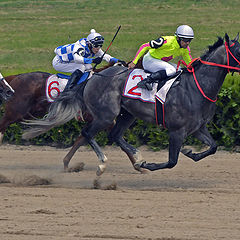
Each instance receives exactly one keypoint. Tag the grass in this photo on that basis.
(31, 29)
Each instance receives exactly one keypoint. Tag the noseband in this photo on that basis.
(190, 68)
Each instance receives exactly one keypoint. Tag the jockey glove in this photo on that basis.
(97, 60)
(122, 62)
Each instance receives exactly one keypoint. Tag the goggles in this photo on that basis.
(186, 39)
(97, 42)
(96, 45)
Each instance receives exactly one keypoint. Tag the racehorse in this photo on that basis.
(189, 106)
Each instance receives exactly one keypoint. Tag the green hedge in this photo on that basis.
(224, 127)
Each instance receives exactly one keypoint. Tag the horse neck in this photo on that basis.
(213, 76)
(10, 78)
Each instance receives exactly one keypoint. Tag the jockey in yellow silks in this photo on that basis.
(160, 52)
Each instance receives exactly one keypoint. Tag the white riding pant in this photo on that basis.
(153, 65)
(69, 67)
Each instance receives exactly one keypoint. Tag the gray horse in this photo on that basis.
(189, 106)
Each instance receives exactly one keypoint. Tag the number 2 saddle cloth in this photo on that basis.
(156, 96)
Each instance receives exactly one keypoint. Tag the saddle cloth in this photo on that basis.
(55, 84)
(132, 91)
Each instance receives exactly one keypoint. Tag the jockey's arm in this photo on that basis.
(187, 57)
(107, 57)
(78, 54)
(141, 51)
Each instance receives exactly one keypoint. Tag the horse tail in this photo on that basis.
(67, 106)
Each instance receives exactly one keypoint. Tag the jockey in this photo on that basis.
(160, 52)
(77, 57)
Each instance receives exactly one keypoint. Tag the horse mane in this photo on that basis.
(205, 56)
(211, 48)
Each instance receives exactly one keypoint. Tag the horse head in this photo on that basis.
(234, 50)
(6, 91)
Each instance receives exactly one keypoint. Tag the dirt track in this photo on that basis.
(191, 201)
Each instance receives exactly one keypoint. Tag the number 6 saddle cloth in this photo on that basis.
(55, 84)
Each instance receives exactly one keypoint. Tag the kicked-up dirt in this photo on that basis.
(193, 201)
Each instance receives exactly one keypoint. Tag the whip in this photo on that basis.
(108, 46)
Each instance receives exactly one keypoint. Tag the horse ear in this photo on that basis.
(236, 38)
(227, 38)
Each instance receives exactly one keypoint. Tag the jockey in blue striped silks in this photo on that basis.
(76, 58)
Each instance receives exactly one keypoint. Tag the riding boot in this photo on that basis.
(154, 77)
(76, 75)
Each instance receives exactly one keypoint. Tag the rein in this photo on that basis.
(190, 68)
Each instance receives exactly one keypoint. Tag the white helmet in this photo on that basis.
(95, 38)
(184, 31)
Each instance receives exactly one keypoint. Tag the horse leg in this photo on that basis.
(175, 142)
(1, 136)
(102, 158)
(15, 111)
(88, 133)
(3, 126)
(124, 121)
(204, 136)
(79, 142)
(5, 121)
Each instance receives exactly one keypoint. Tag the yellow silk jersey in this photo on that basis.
(168, 49)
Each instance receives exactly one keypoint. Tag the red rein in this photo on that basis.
(190, 68)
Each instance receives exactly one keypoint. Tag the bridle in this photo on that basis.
(191, 69)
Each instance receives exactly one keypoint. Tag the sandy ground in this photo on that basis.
(191, 201)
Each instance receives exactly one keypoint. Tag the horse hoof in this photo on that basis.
(66, 169)
(100, 170)
(144, 171)
(138, 165)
